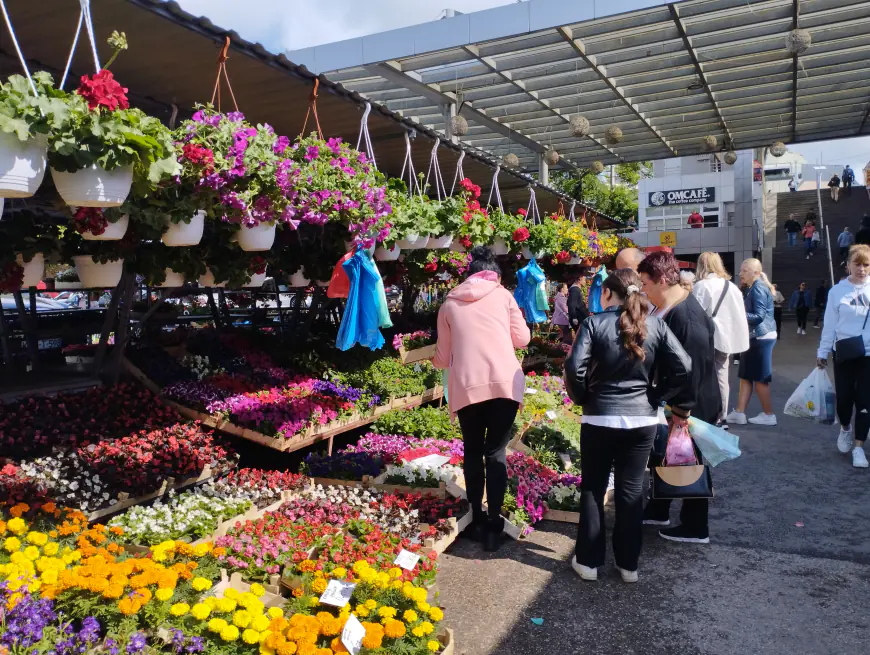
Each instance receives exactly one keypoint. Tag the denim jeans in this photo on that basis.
(792, 238)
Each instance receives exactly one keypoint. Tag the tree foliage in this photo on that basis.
(619, 202)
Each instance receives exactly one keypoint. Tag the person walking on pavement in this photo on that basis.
(846, 335)
(792, 187)
(723, 302)
(808, 233)
(778, 302)
(821, 301)
(834, 185)
(577, 309)
(695, 331)
(800, 302)
(479, 327)
(792, 229)
(560, 314)
(845, 240)
(609, 373)
(756, 366)
(848, 178)
(863, 236)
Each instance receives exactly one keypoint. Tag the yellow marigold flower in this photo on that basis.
(200, 611)
(314, 601)
(395, 572)
(275, 613)
(200, 584)
(417, 632)
(394, 629)
(419, 594)
(397, 584)
(241, 619)
(49, 577)
(423, 606)
(179, 609)
(202, 549)
(264, 636)
(258, 590)
(230, 633)
(31, 553)
(164, 594)
(51, 549)
(16, 525)
(339, 572)
(433, 645)
(12, 544)
(428, 628)
(410, 616)
(287, 648)
(217, 625)
(436, 614)
(359, 566)
(265, 650)
(387, 612)
(37, 538)
(371, 604)
(231, 593)
(251, 636)
(318, 586)
(226, 605)
(362, 611)
(261, 623)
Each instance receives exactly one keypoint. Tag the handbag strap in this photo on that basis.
(721, 299)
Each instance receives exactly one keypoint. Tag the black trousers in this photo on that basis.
(486, 432)
(820, 312)
(777, 318)
(852, 384)
(802, 313)
(627, 453)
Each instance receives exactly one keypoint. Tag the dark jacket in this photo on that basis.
(695, 332)
(602, 377)
(792, 225)
(863, 236)
(796, 296)
(759, 309)
(577, 310)
(822, 296)
(835, 181)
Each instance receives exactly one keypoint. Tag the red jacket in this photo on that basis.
(696, 220)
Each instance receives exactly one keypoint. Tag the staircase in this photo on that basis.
(790, 266)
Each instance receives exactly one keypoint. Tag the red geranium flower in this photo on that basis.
(466, 242)
(522, 212)
(520, 234)
(563, 256)
(198, 155)
(102, 90)
(90, 219)
(431, 267)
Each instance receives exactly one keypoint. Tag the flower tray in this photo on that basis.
(446, 639)
(516, 530)
(417, 354)
(438, 492)
(442, 544)
(562, 516)
(365, 483)
(271, 599)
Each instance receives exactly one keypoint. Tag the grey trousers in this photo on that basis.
(722, 360)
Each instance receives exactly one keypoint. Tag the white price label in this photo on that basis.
(566, 460)
(353, 634)
(337, 593)
(551, 415)
(407, 560)
(430, 461)
(531, 391)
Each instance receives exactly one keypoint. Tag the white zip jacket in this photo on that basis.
(732, 329)
(847, 307)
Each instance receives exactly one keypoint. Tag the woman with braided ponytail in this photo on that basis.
(609, 373)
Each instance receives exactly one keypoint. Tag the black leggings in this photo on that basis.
(486, 431)
(627, 453)
(802, 313)
(852, 382)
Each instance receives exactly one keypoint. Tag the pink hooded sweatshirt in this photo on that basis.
(479, 326)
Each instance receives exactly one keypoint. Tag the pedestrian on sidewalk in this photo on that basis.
(808, 233)
(609, 373)
(778, 302)
(577, 309)
(848, 178)
(683, 314)
(792, 187)
(479, 327)
(845, 240)
(846, 334)
(800, 302)
(821, 301)
(560, 314)
(756, 366)
(834, 185)
(792, 229)
(723, 302)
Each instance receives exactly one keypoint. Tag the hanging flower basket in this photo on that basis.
(528, 254)
(511, 160)
(413, 242)
(207, 280)
(112, 232)
(94, 186)
(388, 255)
(33, 270)
(499, 247)
(173, 280)
(258, 238)
(298, 279)
(98, 276)
(439, 243)
(185, 234)
(257, 280)
(22, 165)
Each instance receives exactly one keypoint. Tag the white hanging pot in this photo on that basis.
(94, 186)
(391, 255)
(185, 234)
(22, 165)
(173, 280)
(258, 238)
(438, 243)
(413, 241)
(528, 254)
(298, 279)
(575, 261)
(98, 276)
(322, 283)
(499, 247)
(113, 232)
(33, 270)
(257, 280)
(207, 280)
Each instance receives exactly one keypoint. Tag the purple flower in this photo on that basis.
(281, 145)
(312, 153)
(136, 643)
(235, 116)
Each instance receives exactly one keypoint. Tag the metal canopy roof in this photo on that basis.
(667, 75)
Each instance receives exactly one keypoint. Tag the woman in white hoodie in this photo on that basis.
(845, 333)
(723, 302)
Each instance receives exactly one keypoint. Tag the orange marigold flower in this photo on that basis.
(219, 551)
(116, 530)
(297, 592)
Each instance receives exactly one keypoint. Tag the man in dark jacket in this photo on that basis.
(577, 310)
(821, 302)
(863, 235)
(792, 228)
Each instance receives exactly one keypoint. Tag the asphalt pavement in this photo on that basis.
(787, 570)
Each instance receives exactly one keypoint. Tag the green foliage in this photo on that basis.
(388, 377)
(619, 202)
(544, 237)
(412, 214)
(26, 115)
(419, 422)
(505, 224)
(546, 441)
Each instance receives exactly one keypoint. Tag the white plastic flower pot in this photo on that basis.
(575, 261)
(257, 280)
(499, 247)
(207, 280)
(258, 238)
(22, 165)
(413, 242)
(528, 254)
(61, 286)
(173, 280)
(113, 232)
(457, 247)
(98, 276)
(94, 186)
(298, 279)
(439, 243)
(33, 270)
(185, 234)
(391, 255)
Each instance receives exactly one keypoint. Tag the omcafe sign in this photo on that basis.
(682, 196)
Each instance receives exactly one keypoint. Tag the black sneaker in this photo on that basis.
(685, 535)
(650, 517)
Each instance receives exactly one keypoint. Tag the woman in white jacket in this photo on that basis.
(846, 317)
(723, 302)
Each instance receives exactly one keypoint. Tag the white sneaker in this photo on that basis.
(845, 440)
(584, 572)
(627, 576)
(799, 331)
(859, 459)
(763, 419)
(738, 418)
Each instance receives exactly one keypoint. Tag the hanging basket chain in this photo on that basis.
(365, 137)
(222, 69)
(17, 47)
(440, 189)
(84, 17)
(571, 215)
(533, 207)
(413, 182)
(494, 189)
(460, 172)
(312, 109)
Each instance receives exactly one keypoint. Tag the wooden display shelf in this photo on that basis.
(443, 543)
(417, 354)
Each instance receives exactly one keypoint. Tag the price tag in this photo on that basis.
(353, 634)
(407, 560)
(531, 391)
(551, 415)
(337, 593)
(430, 461)
(566, 460)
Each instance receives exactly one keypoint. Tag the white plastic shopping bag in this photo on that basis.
(813, 399)
(716, 445)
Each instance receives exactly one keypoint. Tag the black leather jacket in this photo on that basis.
(601, 376)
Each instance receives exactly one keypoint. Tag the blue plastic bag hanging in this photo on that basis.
(361, 320)
(528, 280)
(715, 444)
(595, 290)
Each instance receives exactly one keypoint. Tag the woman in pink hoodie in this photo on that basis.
(479, 326)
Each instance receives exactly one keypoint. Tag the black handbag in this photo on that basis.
(851, 348)
(682, 482)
